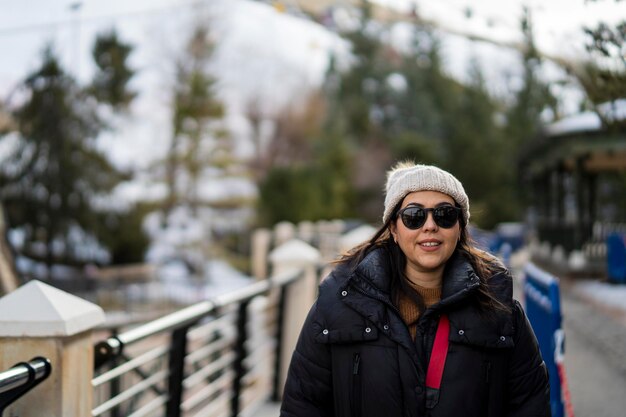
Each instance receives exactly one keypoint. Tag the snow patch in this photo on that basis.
(610, 295)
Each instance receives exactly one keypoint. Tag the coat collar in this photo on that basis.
(373, 277)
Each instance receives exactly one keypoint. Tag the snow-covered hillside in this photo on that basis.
(263, 55)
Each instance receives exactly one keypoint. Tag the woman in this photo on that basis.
(417, 322)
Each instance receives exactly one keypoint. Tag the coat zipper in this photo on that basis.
(487, 388)
(355, 364)
(356, 386)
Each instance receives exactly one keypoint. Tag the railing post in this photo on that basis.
(115, 388)
(40, 320)
(178, 351)
(299, 296)
(240, 352)
(276, 383)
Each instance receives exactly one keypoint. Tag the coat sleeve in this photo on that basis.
(308, 389)
(529, 388)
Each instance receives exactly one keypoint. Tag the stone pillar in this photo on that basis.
(284, 232)
(261, 242)
(329, 233)
(306, 232)
(348, 241)
(300, 295)
(355, 237)
(40, 320)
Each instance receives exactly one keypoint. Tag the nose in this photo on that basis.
(430, 222)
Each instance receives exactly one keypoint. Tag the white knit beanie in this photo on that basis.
(406, 177)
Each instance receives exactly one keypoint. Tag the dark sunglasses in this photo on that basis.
(414, 217)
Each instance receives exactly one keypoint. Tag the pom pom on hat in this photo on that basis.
(407, 177)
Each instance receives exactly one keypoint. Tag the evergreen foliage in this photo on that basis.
(604, 76)
(390, 106)
(51, 181)
(316, 191)
(534, 96)
(122, 234)
(199, 140)
(478, 155)
(110, 84)
(523, 117)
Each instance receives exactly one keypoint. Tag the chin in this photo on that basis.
(430, 266)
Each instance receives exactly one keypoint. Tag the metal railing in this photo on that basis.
(568, 236)
(215, 358)
(20, 379)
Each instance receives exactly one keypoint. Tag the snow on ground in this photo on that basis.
(179, 249)
(176, 283)
(608, 294)
(603, 293)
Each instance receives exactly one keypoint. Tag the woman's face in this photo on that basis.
(428, 248)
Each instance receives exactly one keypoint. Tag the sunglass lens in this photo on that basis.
(414, 217)
(446, 217)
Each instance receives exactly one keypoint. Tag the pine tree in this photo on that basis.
(477, 154)
(110, 84)
(49, 183)
(425, 115)
(603, 76)
(524, 116)
(198, 136)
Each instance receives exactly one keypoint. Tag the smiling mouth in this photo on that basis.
(430, 244)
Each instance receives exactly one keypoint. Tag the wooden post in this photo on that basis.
(300, 295)
(40, 320)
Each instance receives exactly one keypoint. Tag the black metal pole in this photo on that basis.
(240, 352)
(115, 386)
(178, 351)
(276, 394)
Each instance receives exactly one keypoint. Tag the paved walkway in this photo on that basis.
(268, 410)
(595, 352)
(595, 357)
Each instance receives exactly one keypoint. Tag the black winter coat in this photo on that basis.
(355, 356)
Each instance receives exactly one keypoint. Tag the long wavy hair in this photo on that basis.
(485, 265)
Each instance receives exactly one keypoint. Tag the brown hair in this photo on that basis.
(484, 264)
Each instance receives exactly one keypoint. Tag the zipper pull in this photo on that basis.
(355, 364)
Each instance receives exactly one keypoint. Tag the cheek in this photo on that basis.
(456, 238)
(452, 238)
